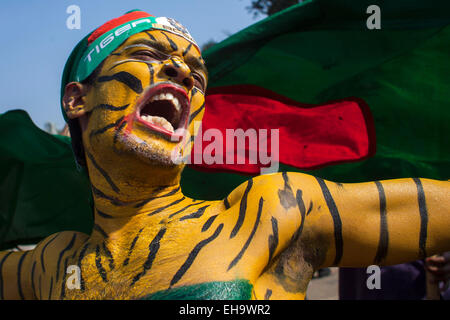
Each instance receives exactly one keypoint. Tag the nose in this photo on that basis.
(178, 72)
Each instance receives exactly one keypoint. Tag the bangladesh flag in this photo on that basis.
(350, 104)
(353, 104)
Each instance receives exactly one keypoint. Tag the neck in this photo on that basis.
(134, 196)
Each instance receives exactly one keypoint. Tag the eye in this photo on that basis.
(199, 81)
(149, 55)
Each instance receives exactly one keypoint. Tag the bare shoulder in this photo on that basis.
(280, 202)
(56, 243)
(284, 185)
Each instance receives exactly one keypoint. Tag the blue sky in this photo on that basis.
(36, 41)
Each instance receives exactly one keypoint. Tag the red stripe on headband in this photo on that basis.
(111, 24)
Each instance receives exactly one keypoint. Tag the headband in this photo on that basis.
(90, 52)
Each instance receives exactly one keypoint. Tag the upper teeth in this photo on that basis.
(170, 97)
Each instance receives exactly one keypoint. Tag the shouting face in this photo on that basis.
(146, 95)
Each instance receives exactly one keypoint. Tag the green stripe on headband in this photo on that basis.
(103, 46)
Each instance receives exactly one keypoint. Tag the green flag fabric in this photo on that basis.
(312, 53)
(322, 50)
(41, 191)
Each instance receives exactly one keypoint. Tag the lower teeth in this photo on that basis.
(159, 121)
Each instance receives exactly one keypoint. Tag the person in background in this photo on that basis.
(422, 279)
(437, 270)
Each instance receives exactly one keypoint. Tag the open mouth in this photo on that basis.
(164, 109)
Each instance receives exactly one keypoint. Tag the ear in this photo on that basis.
(74, 100)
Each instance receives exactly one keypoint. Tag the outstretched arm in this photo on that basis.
(34, 274)
(382, 222)
(15, 275)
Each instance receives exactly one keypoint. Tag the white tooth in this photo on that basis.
(162, 96)
(163, 123)
(169, 96)
(176, 103)
(159, 121)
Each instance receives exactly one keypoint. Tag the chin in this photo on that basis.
(152, 151)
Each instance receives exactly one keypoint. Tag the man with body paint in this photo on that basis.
(129, 90)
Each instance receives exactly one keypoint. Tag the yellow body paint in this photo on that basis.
(273, 231)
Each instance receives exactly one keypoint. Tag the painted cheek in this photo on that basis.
(197, 106)
(196, 114)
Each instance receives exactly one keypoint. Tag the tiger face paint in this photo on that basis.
(142, 100)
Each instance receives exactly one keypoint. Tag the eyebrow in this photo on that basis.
(149, 43)
(194, 62)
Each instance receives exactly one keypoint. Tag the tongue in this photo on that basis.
(158, 121)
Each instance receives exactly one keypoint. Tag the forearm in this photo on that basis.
(15, 275)
(384, 223)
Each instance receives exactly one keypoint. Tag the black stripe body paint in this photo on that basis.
(126, 78)
(208, 223)
(188, 206)
(110, 107)
(133, 243)
(286, 195)
(165, 207)
(1, 277)
(175, 64)
(226, 203)
(336, 220)
(104, 215)
(423, 218)
(102, 172)
(98, 264)
(100, 194)
(142, 203)
(150, 36)
(193, 254)
(33, 288)
(19, 271)
(152, 73)
(242, 209)
(172, 44)
(247, 243)
(196, 112)
(310, 208)
(51, 289)
(196, 214)
(109, 255)
(116, 135)
(42, 252)
(185, 52)
(100, 230)
(104, 129)
(40, 288)
(268, 294)
(69, 246)
(384, 235)
(63, 284)
(153, 250)
(302, 210)
(273, 239)
(80, 259)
